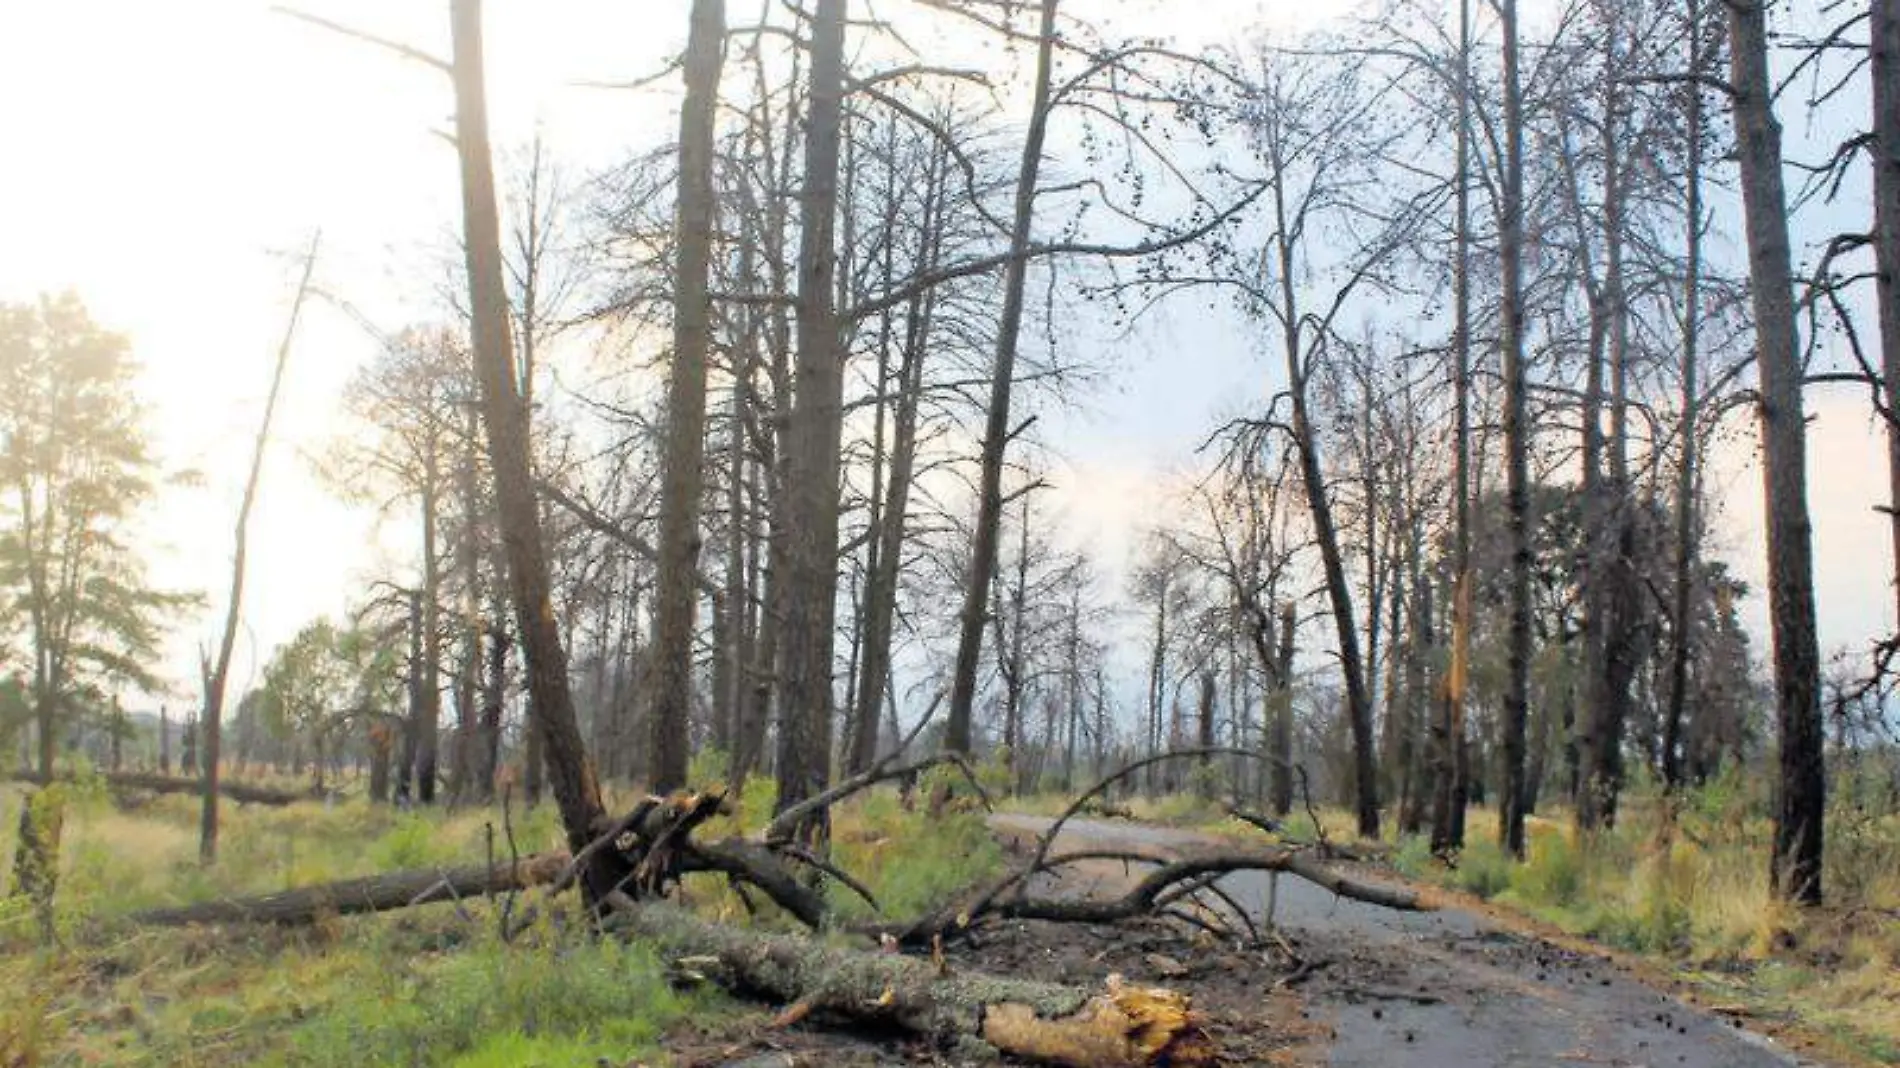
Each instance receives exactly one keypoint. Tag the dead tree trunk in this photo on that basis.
(814, 437)
(428, 724)
(1339, 592)
(36, 855)
(373, 893)
(467, 762)
(1280, 750)
(1517, 446)
(683, 477)
(1448, 729)
(133, 781)
(880, 593)
(1122, 1028)
(1795, 868)
(1884, 57)
(505, 421)
(1687, 428)
(219, 670)
(996, 428)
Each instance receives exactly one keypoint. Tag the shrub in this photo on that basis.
(1553, 869)
(414, 842)
(1483, 870)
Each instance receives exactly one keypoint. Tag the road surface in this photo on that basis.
(1449, 989)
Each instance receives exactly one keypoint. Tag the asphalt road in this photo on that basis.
(1447, 989)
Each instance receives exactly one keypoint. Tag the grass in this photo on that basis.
(1692, 896)
(423, 987)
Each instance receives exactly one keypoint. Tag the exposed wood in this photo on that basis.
(1123, 1026)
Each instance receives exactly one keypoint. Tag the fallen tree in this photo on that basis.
(152, 782)
(372, 893)
(1324, 847)
(1121, 1027)
(658, 843)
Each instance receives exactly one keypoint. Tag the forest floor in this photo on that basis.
(1472, 983)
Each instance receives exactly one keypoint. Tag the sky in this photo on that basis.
(168, 159)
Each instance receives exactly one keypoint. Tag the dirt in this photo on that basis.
(1336, 983)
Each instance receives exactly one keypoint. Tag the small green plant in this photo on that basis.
(414, 842)
(1483, 870)
(1552, 872)
(1413, 858)
(709, 765)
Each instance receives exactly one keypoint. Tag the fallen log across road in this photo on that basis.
(1121, 1027)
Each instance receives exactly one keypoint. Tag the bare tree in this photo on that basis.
(996, 429)
(1884, 67)
(1687, 429)
(218, 670)
(505, 423)
(1795, 867)
(683, 476)
(810, 506)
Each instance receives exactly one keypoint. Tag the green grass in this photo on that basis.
(425, 986)
(1696, 901)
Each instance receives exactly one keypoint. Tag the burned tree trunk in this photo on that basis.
(36, 854)
(1795, 868)
(1517, 432)
(1884, 56)
(218, 671)
(1448, 725)
(1683, 631)
(814, 437)
(1280, 749)
(996, 429)
(505, 422)
(176, 784)
(683, 477)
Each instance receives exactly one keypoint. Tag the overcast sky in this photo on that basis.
(163, 158)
